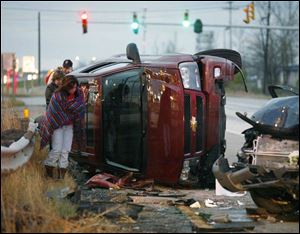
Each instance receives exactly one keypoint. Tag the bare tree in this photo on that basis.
(271, 52)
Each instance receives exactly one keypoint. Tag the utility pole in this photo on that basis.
(2, 79)
(144, 30)
(230, 8)
(266, 55)
(39, 48)
(230, 24)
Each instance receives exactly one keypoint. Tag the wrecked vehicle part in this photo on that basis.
(103, 180)
(106, 180)
(273, 90)
(279, 117)
(268, 162)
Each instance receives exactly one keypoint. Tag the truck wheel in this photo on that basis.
(274, 200)
(206, 176)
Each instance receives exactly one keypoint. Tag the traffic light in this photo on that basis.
(198, 26)
(84, 22)
(251, 11)
(135, 24)
(186, 22)
(246, 10)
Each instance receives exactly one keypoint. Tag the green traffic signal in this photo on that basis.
(135, 24)
(198, 26)
(186, 22)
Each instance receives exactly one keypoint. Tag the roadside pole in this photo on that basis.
(2, 79)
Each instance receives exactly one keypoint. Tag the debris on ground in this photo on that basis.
(106, 180)
(60, 193)
(271, 219)
(220, 218)
(240, 203)
(195, 205)
(155, 208)
(210, 203)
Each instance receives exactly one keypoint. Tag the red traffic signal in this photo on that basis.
(84, 22)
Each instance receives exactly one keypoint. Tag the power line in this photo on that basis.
(116, 11)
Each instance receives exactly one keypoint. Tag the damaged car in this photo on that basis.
(157, 116)
(268, 162)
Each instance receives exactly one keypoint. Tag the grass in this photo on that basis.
(24, 205)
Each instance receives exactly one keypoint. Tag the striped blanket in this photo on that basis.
(59, 112)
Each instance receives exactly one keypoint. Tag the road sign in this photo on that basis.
(29, 64)
(8, 60)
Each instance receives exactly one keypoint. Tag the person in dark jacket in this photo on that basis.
(57, 78)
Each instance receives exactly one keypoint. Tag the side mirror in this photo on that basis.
(132, 53)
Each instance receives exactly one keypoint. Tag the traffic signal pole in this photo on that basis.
(39, 48)
(144, 31)
(230, 23)
(291, 28)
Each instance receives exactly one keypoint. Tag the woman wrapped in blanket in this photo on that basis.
(63, 118)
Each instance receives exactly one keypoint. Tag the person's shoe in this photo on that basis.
(49, 171)
(61, 173)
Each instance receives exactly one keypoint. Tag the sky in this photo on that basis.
(62, 37)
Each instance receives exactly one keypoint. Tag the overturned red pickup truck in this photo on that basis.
(160, 117)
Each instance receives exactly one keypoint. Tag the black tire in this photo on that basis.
(231, 55)
(274, 200)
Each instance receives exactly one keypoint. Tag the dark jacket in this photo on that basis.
(49, 91)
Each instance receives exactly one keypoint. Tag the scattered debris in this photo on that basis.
(59, 193)
(106, 180)
(221, 191)
(210, 203)
(185, 202)
(240, 203)
(163, 201)
(195, 205)
(271, 219)
(213, 222)
(220, 218)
